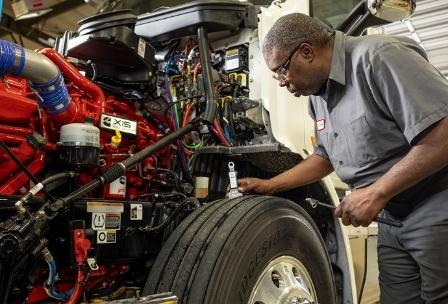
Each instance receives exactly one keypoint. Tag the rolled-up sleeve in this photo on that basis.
(319, 149)
(408, 88)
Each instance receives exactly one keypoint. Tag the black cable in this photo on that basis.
(117, 170)
(13, 38)
(162, 195)
(173, 174)
(365, 272)
(165, 113)
(165, 223)
(24, 168)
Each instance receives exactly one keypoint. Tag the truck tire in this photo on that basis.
(251, 249)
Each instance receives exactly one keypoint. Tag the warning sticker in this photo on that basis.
(98, 221)
(232, 63)
(136, 212)
(104, 207)
(233, 52)
(118, 186)
(141, 47)
(106, 236)
(101, 221)
(113, 221)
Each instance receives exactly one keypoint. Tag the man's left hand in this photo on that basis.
(361, 207)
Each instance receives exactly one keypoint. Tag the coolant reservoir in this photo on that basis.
(80, 144)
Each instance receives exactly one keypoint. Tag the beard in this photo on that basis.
(317, 89)
(305, 92)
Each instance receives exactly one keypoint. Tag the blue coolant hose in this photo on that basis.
(16, 60)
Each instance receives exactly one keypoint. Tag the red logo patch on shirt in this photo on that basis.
(320, 124)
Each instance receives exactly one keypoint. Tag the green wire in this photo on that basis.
(198, 145)
(176, 115)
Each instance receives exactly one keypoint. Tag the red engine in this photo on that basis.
(95, 131)
(31, 134)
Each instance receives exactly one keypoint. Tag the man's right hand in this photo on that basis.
(255, 186)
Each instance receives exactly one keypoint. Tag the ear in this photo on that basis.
(307, 52)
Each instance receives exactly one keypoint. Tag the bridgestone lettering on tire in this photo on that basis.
(219, 253)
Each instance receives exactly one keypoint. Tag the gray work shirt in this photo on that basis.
(381, 94)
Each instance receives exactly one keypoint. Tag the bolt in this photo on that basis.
(299, 300)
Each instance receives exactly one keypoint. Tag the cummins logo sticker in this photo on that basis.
(110, 122)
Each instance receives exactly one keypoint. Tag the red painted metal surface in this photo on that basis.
(20, 117)
(8, 167)
(17, 181)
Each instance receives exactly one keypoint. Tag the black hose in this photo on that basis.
(206, 66)
(56, 177)
(41, 186)
(24, 169)
(76, 194)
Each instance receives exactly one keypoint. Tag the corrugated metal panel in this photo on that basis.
(430, 21)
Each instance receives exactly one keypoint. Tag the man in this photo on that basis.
(381, 121)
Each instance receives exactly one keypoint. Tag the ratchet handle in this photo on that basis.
(388, 222)
(315, 203)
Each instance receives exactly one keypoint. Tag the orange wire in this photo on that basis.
(196, 70)
(185, 121)
(187, 113)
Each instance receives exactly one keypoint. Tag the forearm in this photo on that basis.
(428, 156)
(306, 172)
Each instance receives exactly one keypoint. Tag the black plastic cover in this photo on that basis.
(184, 20)
(109, 41)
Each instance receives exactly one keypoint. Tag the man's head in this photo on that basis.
(298, 50)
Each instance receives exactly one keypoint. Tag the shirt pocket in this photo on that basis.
(364, 144)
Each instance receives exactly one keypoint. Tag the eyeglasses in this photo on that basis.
(281, 71)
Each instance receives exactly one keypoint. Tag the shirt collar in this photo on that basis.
(337, 69)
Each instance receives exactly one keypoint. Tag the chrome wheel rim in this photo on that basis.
(284, 281)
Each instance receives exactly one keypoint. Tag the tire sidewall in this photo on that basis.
(269, 231)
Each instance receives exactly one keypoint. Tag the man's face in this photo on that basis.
(298, 70)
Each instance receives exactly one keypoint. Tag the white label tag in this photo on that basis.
(118, 186)
(136, 212)
(98, 221)
(320, 124)
(106, 236)
(103, 207)
(141, 47)
(116, 123)
(232, 63)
